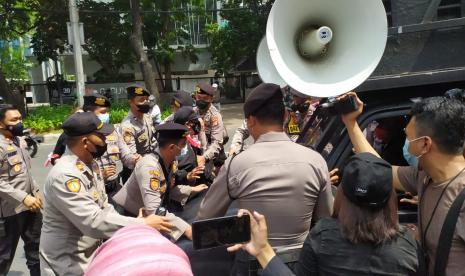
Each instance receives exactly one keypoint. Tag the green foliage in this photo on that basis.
(237, 40)
(48, 119)
(13, 63)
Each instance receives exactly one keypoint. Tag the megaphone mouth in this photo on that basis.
(313, 41)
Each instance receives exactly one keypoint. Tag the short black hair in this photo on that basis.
(271, 113)
(443, 120)
(90, 108)
(4, 108)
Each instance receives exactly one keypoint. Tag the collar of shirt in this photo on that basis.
(273, 136)
(75, 161)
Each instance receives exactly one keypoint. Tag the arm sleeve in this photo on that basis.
(84, 213)
(308, 261)
(241, 134)
(7, 190)
(276, 267)
(216, 144)
(149, 185)
(127, 157)
(217, 200)
(324, 207)
(180, 193)
(60, 146)
(408, 177)
(128, 137)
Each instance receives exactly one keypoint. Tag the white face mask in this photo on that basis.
(104, 118)
(184, 152)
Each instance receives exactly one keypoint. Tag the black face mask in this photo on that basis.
(143, 108)
(16, 130)
(202, 104)
(300, 107)
(100, 151)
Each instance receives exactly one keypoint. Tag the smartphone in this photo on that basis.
(222, 231)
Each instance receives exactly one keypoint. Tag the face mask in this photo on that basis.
(300, 107)
(104, 118)
(100, 151)
(143, 108)
(411, 159)
(201, 104)
(16, 130)
(183, 153)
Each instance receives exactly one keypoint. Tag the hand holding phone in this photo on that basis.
(221, 231)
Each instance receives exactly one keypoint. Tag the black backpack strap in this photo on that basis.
(447, 233)
(166, 196)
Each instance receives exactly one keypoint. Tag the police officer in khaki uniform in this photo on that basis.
(286, 182)
(20, 202)
(76, 215)
(117, 150)
(137, 128)
(180, 98)
(152, 183)
(213, 123)
(299, 113)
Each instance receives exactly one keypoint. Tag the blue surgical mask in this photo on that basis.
(183, 153)
(411, 159)
(104, 118)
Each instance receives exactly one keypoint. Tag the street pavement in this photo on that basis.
(232, 117)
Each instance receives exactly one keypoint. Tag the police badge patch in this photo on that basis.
(73, 185)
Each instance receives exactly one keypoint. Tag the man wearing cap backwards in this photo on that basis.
(434, 146)
(20, 202)
(180, 98)
(287, 182)
(117, 150)
(214, 128)
(152, 183)
(76, 215)
(137, 128)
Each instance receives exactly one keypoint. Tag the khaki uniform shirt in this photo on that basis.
(76, 216)
(146, 189)
(415, 181)
(117, 151)
(214, 131)
(241, 134)
(138, 134)
(15, 176)
(286, 182)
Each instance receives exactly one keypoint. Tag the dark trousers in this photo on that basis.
(125, 174)
(26, 225)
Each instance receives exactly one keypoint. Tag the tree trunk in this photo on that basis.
(168, 78)
(138, 48)
(10, 97)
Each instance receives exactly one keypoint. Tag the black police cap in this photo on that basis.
(136, 90)
(184, 115)
(84, 123)
(205, 88)
(183, 98)
(96, 100)
(367, 180)
(260, 96)
(170, 130)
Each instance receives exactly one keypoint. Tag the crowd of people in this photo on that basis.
(144, 183)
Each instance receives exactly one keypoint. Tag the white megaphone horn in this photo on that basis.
(265, 66)
(323, 48)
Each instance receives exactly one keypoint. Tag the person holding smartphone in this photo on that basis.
(362, 237)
